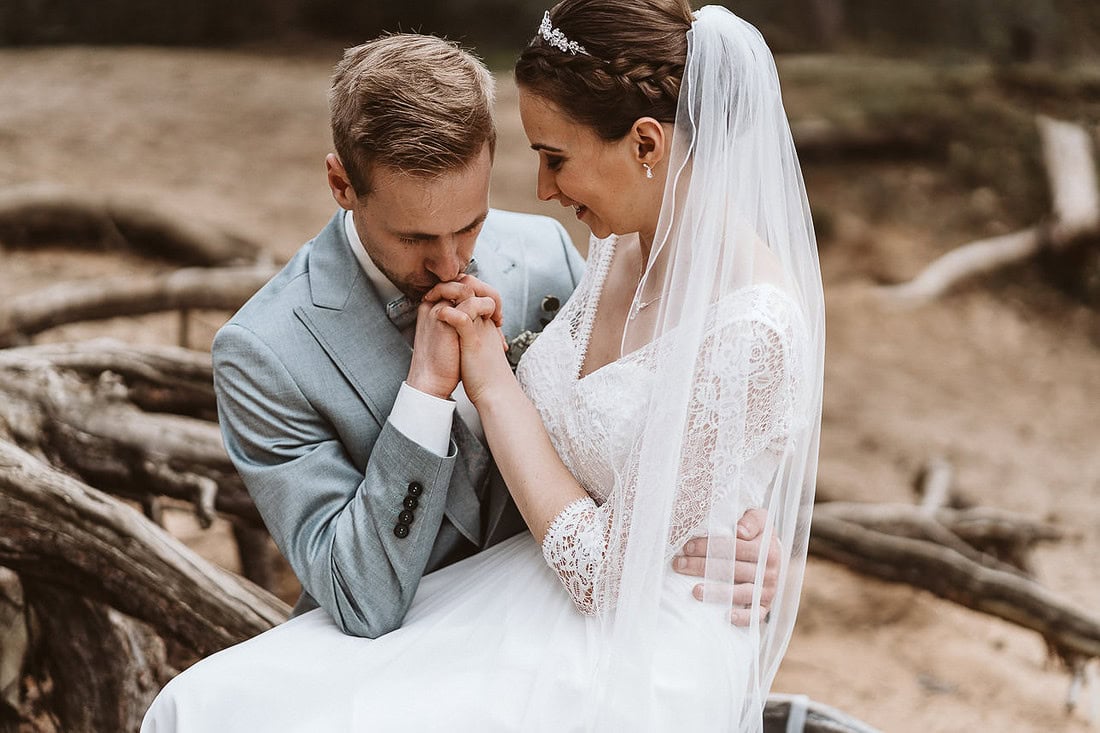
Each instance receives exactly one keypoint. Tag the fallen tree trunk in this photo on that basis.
(222, 288)
(118, 664)
(57, 531)
(50, 213)
(1071, 176)
(1070, 632)
(55, 405)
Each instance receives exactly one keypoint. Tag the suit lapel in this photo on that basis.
(349, 322)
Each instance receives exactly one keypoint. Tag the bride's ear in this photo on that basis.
(649, 141)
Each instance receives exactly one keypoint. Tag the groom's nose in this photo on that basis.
(444, 261)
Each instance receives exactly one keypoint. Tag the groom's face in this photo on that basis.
(420, 230)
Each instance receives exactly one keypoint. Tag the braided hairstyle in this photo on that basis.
(637, 53)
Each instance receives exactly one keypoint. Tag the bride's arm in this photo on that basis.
(539, 482)
(536, 477)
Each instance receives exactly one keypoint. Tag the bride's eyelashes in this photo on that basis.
(554, 162)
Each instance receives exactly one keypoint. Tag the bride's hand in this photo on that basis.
(481, 345)
(462, 289)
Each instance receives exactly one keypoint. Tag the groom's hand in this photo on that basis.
(435, 367)
(745, 551)
(435, 359)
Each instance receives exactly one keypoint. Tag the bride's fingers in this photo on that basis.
(485, 290)
(478, 307)
(456, 319)
(468, 319)
(466, 287)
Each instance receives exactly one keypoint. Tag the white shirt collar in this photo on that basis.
(386, 289)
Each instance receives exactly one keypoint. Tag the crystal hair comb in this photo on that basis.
(557, 39)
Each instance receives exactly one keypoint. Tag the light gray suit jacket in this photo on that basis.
(306, 374)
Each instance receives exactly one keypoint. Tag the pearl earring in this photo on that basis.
(648, 170)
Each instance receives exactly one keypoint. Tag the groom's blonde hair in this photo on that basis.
(416, 103)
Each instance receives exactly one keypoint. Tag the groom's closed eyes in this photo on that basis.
(424, 237)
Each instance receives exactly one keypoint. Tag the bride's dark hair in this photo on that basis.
(636, 54)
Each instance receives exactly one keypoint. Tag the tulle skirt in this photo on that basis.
(492, 643)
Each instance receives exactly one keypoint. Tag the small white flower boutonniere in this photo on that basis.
(518, 346)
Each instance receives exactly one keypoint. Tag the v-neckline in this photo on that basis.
(588, 316)
(591, 306)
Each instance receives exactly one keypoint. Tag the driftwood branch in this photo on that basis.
(935, 485)
(955, 576)
(60, 532)
(1071, 175)
(117, 663)
(46, 213)
(223, 288)
(1075, 195)
(92, 424)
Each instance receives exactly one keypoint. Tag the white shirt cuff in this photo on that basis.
(423, 419)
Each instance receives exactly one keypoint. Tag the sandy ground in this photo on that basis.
(1001, 378)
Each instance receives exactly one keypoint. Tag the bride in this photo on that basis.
(679, 386)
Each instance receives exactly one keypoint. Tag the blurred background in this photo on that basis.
(916, 123)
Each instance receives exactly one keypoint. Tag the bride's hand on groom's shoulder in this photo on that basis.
(745, 553)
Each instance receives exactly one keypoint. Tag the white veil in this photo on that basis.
(731, 305)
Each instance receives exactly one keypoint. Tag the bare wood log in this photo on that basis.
(969, 260)
(935, 485)
(975, 525)
(1071, 175)
(786, 713)
(902, 520)
(55, 530)
(222, 288)
(105, 668)
(158, 379)
(1068, 156)
(93, 429)
(1071, 632)
(257, 555)
(52, 213)
(13, 639)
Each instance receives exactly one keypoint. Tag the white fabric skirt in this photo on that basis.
(492, 643)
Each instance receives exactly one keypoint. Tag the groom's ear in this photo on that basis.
(338, 182)
(650, 140)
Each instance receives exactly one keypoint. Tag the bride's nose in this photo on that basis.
(546, 188)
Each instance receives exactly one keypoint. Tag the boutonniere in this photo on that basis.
(518, 346)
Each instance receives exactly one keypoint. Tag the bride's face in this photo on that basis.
(603, 181)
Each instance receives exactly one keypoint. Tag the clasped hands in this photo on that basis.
(458, 338)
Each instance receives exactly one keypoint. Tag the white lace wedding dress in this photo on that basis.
(506, 640)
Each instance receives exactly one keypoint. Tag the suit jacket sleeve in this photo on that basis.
(334, 523)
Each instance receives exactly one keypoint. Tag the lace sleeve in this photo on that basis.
(742, 406)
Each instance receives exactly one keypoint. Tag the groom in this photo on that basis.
(338, 392)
